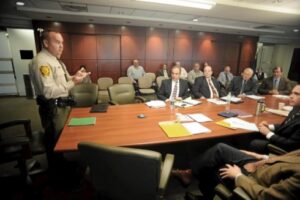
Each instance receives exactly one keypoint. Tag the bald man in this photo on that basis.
(244, 84)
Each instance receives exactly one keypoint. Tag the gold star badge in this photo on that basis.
(45, 70)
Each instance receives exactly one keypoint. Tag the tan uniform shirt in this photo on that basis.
(49, 76)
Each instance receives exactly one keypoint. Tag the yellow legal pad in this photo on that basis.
(174, 129)
(225, 124)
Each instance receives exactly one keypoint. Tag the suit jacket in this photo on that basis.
(279, 178)
(236, 85)
(201, 88)
(166, 88)
(287, 135)
(267, 85)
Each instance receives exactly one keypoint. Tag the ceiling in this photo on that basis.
(274, 19)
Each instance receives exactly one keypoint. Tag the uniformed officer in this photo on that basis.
(52, 84)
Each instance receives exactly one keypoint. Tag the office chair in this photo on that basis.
(85, 94)
(145, 85)
(124, 80)
(159, 80)
(20, 145)
(121, 173)
(103, 84)
(123, 94)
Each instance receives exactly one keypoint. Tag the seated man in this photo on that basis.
(207, 86)
(135, 71)
(258, 175)
(285, 135)
(275, 84)
(183, 73)
(244, 84)
(163, 71)
(174, 88)
(194, 73)
(225, 77)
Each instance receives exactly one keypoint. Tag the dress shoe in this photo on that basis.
(184, 176)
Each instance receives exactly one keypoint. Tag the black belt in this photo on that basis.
(59, 102)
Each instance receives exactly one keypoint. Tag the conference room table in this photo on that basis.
(120, 125)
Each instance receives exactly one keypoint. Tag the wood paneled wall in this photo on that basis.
(108, 50)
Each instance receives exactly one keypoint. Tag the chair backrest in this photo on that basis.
(151, 75)
(85, 94)
(145, 82)
(159, 79)
(124, 80)
(122, 93)
(121, 173)
(104, 83)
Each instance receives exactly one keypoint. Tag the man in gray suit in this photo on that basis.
(174, 88)
(275, 84)
(244, 84)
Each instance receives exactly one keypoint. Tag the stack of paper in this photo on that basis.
(279, 96)
(255, 97)
(232, 99)
(174, 129)
(156, 104)
(191, 101)
(278, 112)
(182, 118)
(238, 123)
(199, 117)
(217, 101)
(182, 104)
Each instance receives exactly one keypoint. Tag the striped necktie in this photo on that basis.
(243, 87)
(175, 89)
(213, 89)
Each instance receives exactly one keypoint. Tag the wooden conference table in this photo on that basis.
(120, 126)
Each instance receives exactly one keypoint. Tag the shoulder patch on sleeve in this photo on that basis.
(45, 70)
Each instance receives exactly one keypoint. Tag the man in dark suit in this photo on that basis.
(175, 88)
(285, 135)
(244, 84)
(163, 71)
(260, 176)
(275, 84)
(207, 86)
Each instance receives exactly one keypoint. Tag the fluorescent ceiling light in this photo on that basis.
(203, 4)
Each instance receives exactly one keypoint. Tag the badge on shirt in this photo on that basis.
(45, 70)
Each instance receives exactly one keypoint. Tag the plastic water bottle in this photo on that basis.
(228, 100)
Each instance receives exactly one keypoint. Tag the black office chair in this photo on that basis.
(121, 173)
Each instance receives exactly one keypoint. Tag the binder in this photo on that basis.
(174, 129)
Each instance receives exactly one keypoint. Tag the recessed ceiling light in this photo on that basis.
(202, 4)
(195, 20)
(151, 28)
(296, 30)
(91, 25)
(20, 3)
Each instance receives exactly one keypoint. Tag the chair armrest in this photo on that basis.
(241, 194)
(276, 150)
(139, 98)
(165, 172)
(223, 192)
(113, 103)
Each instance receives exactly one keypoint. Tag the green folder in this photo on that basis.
(83, 121)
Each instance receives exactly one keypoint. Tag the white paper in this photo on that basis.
(200, 117)
(255, 97)
(239, 123)
(195, 128)
(278, 112)
(279, 96)
(217, 101)
(182, 104)
(232, 99)
(191, 101)
(156, 104)
(183, 118)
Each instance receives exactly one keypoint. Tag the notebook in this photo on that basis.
(82, 121)
(102, 107)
